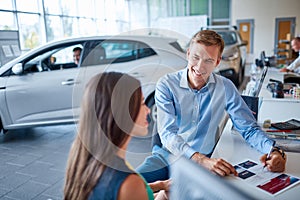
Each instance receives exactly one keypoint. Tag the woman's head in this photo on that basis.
(110, 107)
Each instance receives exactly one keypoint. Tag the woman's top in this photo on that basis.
(110, 181)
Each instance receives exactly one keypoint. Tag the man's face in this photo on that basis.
(76, 56)
(202, 60)
(296, 45)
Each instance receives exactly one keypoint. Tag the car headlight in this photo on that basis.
(231, 56)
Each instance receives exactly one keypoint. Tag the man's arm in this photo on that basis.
(295, 64)
(167, 121)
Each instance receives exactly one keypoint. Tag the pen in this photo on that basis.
(268, 156)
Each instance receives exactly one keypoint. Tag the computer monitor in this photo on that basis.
(191, 181)
(263, 58)
(259, 82)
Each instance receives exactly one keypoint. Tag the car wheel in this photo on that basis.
(2, 130)
(152, 117)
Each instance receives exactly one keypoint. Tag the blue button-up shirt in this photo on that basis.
(188, 119)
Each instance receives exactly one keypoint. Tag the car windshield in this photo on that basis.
(228, 37)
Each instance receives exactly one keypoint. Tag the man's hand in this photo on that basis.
(285, 70)
(215, 165)
(276, 163)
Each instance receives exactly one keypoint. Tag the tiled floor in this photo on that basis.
(32, 161)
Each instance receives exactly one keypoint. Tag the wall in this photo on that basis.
(264, 13)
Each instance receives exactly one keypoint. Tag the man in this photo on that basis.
(190, 106)
(295, 65)
(76, 55)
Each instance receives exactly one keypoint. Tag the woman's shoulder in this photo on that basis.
(133, 188)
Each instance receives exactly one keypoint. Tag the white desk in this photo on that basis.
(276, 109)
(233, 148)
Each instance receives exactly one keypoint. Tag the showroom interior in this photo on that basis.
(41, 86)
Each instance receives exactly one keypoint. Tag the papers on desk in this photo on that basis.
(272, 183)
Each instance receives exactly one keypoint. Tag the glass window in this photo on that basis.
(86, 8)
(87, 27)
(6, 5)
(54, 59)
(118, 49)
(30, 30)
(145, 51)
(220, 9)
(27, 6)
(9, 23)
(69, 7)
(52, 7)
(199, 7)
(101, 9)
(68, 26)
(229, 37)
(53, 28)
(65, 55)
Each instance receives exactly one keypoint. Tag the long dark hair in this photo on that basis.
(109, 108)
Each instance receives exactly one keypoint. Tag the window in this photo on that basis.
(54, 59)
(199, 7)
(6, 5)
(9, 23)
(111, 51)
(27, 6)
(30, 30)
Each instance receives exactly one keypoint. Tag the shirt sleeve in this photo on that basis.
(244, 121)
(295, 65)
(167, 121)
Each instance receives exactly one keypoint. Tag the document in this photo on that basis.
(272, 183)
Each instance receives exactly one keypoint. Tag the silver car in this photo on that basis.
(234, 56)
(44, 86)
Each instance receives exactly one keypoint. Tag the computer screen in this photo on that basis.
(191, 181)
(259, 82)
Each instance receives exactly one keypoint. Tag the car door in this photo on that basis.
(43, 95)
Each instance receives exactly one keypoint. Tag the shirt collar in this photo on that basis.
(184, 79)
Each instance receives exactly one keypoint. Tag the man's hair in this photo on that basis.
(208, 38)
(77, 49)
(297, 39)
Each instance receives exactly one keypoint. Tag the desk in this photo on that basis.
(233, 148)
(276, 109)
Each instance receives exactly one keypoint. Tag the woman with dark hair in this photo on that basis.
(112, 111)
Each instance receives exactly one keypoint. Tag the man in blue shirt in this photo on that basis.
(191, 104)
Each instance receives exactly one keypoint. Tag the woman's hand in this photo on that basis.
(215, 165)
(160, 185)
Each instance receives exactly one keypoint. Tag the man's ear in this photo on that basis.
(218, 61)
(188, 53)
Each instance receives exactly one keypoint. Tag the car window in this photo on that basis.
(53, 59)
(115, 51)
(229, 37)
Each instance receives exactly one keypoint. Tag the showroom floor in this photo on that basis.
(32, 161)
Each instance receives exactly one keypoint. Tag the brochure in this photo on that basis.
(270, 182)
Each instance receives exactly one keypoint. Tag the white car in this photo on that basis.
(44, 86)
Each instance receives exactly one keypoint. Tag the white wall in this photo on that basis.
(264, 13)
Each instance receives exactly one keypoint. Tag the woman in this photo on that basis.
(112, 111)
